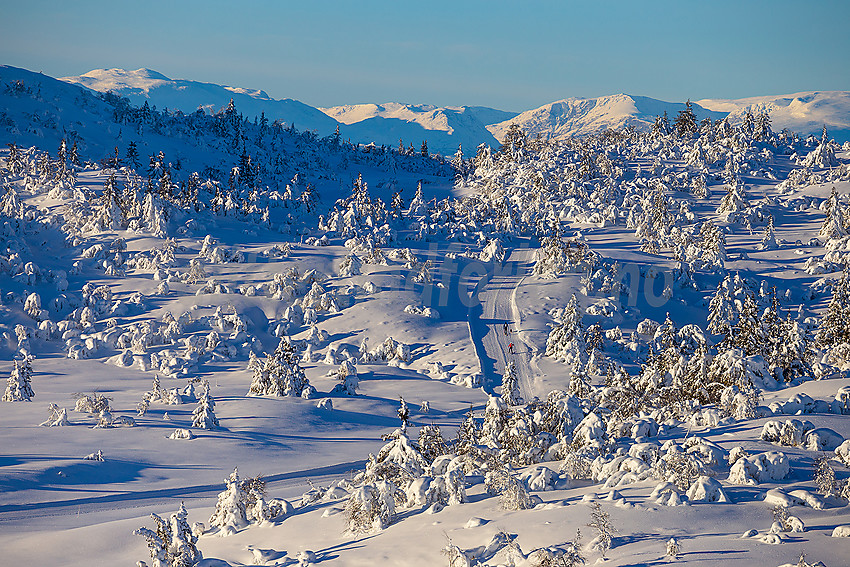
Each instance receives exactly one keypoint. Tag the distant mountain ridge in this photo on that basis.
(187, 96)
(446, 128)
(804, 112)
(581, 116)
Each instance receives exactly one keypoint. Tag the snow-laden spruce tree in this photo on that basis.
(172, 543)
(600, 521)
(279, 374)
(18, 388)
(735, 199)
(493, 251)
(673, 549)
(351, 266)
(834, 225)
(510, 385)
(713, 245)
(398, 461)
(566, 341)
(768, 239)
(417, 208)
(370, 507)
(231, 509)
(824, 476)
(834, 329)
(822, 156)
(203, 416)
(109, 214)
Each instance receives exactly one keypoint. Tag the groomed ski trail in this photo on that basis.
(497, 297)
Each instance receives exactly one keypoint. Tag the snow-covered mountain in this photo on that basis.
(580, 116)
(446, 128)
(443, 127)
(804, 112)
(148, 85)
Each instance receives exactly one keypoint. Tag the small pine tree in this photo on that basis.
(403, 413)
(834, 328)
(673, 549)
(18, 388)
(510, 385)
(231, 509)
(172, 543)
(204, 415)
(768, 239)
(824, 476)
(834, 225)
(279, 374)
(600, 521)
(686, 121)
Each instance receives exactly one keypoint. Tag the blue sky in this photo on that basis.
(510, 55)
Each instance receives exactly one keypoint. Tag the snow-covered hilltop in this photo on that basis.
(188, 96)
(444, 128)
(805, 112)
(582, 116)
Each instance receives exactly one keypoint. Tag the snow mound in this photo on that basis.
(755, 469)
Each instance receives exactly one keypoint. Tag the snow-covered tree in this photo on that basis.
(768, 239)
(58, 417)
(203, 416)
(735, 199)
(566, 341)
(673, 549)
(370, 507)
(279, 374)
(685, 122)
(231, 509)
(834, 327)
(600, 521)
(172, 543)
(348, 380)
(824, 476)
(510, 385)
(18, 388)
(834, 225)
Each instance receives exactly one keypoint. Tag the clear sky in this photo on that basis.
(509, 55)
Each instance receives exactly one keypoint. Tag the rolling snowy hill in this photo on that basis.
(147, 85)
(443, 128)
(581, 116)
(804, 112)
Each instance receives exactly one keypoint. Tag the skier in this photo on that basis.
(511, 348)
(506, 329)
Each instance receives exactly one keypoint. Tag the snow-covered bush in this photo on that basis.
(58, 417)
(763, 467)
(390, 351)
(348, 380)
(172, 543)
(279, 374)
(370, 507)
(230, 512)
(707, 489)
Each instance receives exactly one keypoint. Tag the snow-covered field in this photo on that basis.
(641, 337)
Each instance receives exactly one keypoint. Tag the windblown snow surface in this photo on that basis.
(114, 277)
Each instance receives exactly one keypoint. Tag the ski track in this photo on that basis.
(498, 306)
